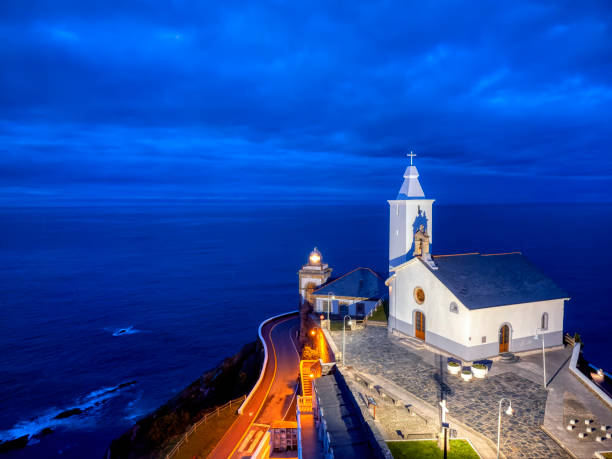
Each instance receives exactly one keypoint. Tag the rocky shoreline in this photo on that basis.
(151, 435)
(233, 377)
(41, 426)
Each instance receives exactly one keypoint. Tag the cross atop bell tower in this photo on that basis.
(411, 155)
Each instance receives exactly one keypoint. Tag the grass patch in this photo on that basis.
(203, 440)
(428, 449)
(336, 325)
(381, 313)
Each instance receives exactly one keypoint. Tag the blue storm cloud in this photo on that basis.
(502, 101)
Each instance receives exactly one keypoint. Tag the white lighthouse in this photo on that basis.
(312, 275)
(408, 212)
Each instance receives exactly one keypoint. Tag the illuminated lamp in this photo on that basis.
(315, 257)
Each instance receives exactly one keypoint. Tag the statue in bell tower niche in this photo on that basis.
(421, 242)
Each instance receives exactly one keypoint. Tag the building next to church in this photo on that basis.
(355, 293)
(473, 306)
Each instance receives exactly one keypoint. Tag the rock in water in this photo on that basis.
(126, 384)
(17, 443)
(68, 413)
(45, 431)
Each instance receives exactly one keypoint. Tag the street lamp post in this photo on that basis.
(445, 426)
(330, 297)
(538, 331)
(344, 338)
(508, 412)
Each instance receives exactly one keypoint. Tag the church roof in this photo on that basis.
(482, 281)
(358, 283)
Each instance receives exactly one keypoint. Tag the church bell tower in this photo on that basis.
(410, 221)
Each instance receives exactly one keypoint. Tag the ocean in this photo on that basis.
(114, 308)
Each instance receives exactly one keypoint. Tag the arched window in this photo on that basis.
(544, 321)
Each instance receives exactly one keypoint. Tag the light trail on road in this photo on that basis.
(269, 401)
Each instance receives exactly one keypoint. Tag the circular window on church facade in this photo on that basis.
(419, 295)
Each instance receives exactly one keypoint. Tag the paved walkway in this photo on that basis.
(311, 446)
(395, 422)
(569, 399)
(423, 373)
(427, 412)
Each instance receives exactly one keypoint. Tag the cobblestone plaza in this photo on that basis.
(475, 403)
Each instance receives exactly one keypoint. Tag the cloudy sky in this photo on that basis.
(502, 101)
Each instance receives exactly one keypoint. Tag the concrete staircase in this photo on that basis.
(509, 357)
(306, 377)
(306, 387)
(412, 342)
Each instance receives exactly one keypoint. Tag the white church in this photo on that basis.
(473, 306)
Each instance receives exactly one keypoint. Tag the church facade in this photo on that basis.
(472, 306)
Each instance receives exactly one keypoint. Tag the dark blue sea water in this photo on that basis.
(191, 282)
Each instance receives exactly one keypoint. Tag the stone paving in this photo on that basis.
(396, 422)
(573, 409)
(570, 399)
(475, 402)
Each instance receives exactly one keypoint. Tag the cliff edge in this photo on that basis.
(151, 435)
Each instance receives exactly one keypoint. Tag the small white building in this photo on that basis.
(473, 306)
(356, 294)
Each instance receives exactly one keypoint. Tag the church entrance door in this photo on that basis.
(504, 338)
(419, 325)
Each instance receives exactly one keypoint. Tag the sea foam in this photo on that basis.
(125, 331)
(54, 418)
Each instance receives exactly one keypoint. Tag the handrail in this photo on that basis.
(299, 430)
(204, 419)
(573, 368)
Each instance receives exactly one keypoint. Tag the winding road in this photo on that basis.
(275, 397)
